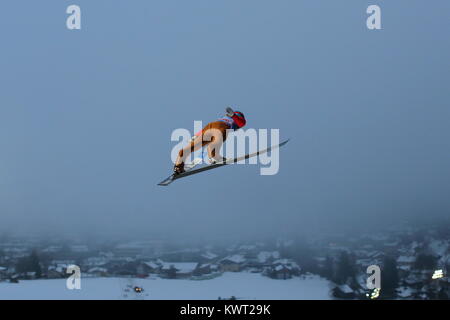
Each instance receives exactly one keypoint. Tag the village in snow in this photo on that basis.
(414, 262)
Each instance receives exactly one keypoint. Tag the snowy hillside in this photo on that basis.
(241, 285)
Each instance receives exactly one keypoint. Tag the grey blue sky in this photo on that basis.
(86, 116)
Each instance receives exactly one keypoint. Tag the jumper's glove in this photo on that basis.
(230, 112)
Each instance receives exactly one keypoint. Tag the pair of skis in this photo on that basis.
(192, 171)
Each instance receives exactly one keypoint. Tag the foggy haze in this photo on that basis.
(86, 116)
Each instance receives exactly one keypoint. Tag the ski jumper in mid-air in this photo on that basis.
(212, 135)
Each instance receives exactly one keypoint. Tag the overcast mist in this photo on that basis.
(86, 115)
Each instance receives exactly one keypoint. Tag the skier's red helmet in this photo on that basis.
(240, 121)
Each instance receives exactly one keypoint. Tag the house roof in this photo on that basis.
(60, 267)
(345, 288)
(209, 255)
(290, 264)
(182, 267)
(404, 268)
(282, 267)
(282, 261)
(237, 258)
(152, 264)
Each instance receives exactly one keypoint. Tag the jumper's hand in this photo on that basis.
(230, 112)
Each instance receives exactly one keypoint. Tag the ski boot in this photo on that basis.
(178, 169)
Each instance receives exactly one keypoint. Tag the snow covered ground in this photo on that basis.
(241, 285)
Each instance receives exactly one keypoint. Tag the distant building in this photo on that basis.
(206, 268)
(261, 261)
(283, 269)
(208, 256)
(3, 273)
(97, 272)
(177, 270)
(147, 267)
(53, 274)
(232, 263)
(30, 275)
(202, 269)
(343, 292)
(282, 272)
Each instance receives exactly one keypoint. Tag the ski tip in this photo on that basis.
(166, 182)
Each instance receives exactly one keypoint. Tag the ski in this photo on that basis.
(173, 177)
